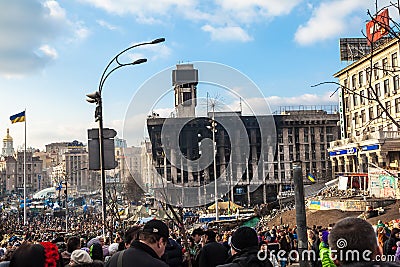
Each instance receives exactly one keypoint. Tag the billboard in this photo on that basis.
(378, 27)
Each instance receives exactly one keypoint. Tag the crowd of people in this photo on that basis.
(44, 240)
(41, 242)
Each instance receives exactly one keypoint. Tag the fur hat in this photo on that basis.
(80, 257)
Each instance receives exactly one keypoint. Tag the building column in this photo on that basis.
(347, 164)
(334, 164)
(174, 171)
(363, 162)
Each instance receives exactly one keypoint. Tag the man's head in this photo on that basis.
(243, 238)
(196, 234)
(209, 236)
(131, 234)
(73, 243)
(155, 234)
(353, 240)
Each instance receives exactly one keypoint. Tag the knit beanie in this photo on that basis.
(244, 237)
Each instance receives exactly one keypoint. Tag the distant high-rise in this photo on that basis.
(184, 80)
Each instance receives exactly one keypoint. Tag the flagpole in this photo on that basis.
(25, 172)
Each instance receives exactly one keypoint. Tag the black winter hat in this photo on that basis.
(244, 237)
(157, 227)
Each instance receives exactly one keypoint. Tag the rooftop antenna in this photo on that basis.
(240, 103)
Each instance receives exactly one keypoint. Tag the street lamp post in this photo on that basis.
(96, 97)
(213, 129)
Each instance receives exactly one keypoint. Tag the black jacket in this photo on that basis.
(212, 254)
(140, 255)
(248, 258)
(173, 254)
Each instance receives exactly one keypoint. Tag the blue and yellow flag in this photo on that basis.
(311, 177)
(20, 117)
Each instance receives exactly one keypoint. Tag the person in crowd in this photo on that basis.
(44, 254)
(245, 251)
(131, 234)
(382, 237)
(80, 257)
(147, 251)
(316, 261)
(353, 242)
(212, 253)
(173, 255)
(196, 235)
(398, 252)
(96, 252)
(284, 245)
(389, 247)
(324, 251)
(73, 243)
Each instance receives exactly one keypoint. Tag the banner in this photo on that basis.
(342, 185)
(378, 27)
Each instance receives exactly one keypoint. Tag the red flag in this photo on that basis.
(378, 27)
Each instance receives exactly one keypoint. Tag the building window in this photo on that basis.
(355, 100)
(388, 107)
(385, 66)
(394, 60)
(345, 83)
(378, 111)
(395, 84)
(378, 89)
(356, 118)
(362, 97)
(360, 78)
(371, 113)
(376, 71)
(368, 74)
(363, 117)
(353, 81)
(370, 95)
(397, 105)
(280, 136)
(386, 88)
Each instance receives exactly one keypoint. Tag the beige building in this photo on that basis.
(368, 135)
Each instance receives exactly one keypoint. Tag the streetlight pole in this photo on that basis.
(96, 97)
(213, 126)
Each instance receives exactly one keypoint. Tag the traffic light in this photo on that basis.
(94, 149)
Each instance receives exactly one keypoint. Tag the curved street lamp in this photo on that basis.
(96, 98)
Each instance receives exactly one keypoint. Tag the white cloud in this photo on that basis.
(225, 34)
(268, 105)
(303, 100)
(156, 51)
(49, 51)
(28, 26)
(215, 14)
(252, 10)
(331, 19)
(106, 25)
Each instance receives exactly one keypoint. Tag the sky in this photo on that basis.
(53, 53)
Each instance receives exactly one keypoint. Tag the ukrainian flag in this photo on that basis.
(311, 177)
(20, 117)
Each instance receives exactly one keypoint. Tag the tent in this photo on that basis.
(225, 206)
